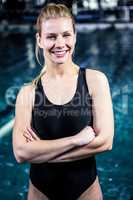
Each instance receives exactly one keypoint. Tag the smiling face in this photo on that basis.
(57, 40)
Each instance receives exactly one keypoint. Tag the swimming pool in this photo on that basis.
(108, 50)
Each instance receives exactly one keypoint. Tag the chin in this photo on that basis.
(60, 61)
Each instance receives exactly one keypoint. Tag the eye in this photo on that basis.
(53, 37)
(66, 35)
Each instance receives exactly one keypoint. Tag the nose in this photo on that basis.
(60, 42)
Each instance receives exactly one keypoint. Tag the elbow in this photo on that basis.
(20, 158)
(106, 147)
(109, 146)
(108, 143)
(20, 155)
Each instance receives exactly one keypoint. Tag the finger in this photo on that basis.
(27, 130)
(28, 136)
(27, 140)
(27, 133)
(91, 136)
(33, 133)
(90, 128)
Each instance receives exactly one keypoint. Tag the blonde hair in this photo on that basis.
(51, 10)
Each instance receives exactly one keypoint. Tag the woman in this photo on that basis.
(63, 118)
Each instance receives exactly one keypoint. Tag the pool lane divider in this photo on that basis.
(5, 129)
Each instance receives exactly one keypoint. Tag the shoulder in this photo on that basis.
(26, 89)
(96, 80)
(25, 94)
(96, 75)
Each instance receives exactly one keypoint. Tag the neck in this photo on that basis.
(60, 70)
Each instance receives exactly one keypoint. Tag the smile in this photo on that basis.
(60, 53)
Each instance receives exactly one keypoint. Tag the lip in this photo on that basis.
(60, 53)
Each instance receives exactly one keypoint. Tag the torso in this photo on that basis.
(60, 91)
(68, 116)
(74, 116)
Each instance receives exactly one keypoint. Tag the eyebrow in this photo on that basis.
(57, 33)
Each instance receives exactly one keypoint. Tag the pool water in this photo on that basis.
(109, 51)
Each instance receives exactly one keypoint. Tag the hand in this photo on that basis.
(85, 136)
(30, 135)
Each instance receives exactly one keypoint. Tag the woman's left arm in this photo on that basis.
(103, 119)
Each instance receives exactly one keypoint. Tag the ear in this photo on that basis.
(38, 40)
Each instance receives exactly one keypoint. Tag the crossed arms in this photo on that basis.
(28, 147)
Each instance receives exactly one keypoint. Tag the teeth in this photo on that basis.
(59, 52)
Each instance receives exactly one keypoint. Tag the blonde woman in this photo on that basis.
(63, 118)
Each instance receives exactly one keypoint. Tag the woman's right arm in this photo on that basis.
(38, 151)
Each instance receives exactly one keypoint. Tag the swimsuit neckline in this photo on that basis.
(60, 105)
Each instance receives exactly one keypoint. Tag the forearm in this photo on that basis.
(44, 150)
(96, 146)
(37, 151)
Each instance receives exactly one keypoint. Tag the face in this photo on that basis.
(57, 40)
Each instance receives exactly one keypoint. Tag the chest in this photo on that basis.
(61, 91)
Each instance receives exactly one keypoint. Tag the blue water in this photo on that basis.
(109, 51)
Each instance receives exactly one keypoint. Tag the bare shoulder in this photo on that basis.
(25, 94)
(96, 80)
(92, 74)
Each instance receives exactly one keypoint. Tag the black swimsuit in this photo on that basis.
(68, 180)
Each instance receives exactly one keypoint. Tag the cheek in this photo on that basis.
(70, 42)
(48, 44)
